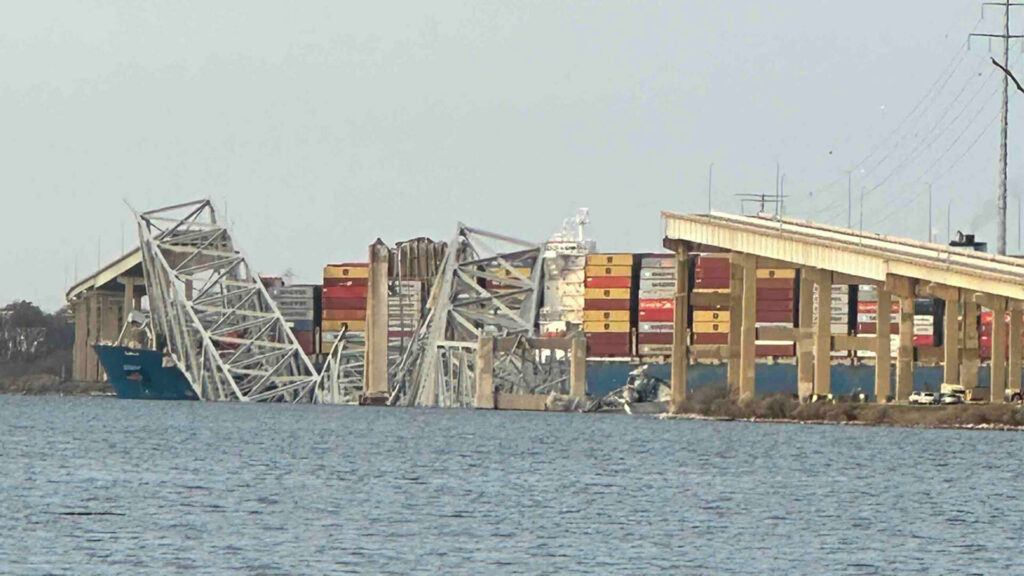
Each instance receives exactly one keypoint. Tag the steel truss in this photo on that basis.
(479, 291)
(211, 314)
(341, 379)
(528, 369)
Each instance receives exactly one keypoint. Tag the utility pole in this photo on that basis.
(1005, 37)
(849, 199)
(777, 172)
(711, 168)
(929, 213)
(861, 209)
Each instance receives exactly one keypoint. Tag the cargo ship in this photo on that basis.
(140, 374)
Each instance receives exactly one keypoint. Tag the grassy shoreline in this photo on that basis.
(714, 403)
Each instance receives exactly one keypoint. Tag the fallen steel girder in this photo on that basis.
(211, 314)
(341, 379)
(488, 284)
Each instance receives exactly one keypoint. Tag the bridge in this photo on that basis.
(900, 268)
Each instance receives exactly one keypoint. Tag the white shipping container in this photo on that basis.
(924, 320)
(655, 327)
(657, 283)
(292, 292)
(654, 349)
(658, 262)
(663, 273)
(657, 294)
(924, 330)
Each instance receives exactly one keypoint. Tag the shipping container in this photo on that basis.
(710, 327)
(338, 325)
(786, 273)
(655, 327)
(657, 304)
(647, 315)
(607, 293)
(606, 316)
(611, 304)
(344, 303)
(345, 291)
(605, 326)
(654, 337)
(609, 282)
(352, 270)
(598, 271)
(609, 259)
(654, 349)
(658, 262)
(710, 338)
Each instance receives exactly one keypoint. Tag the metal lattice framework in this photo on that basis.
(341, 380)
(211, 314)
(481, 289)
(529, 369)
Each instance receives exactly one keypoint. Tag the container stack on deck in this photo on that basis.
(776, 294)
(608, 295)
(564, 276)
(867, 319)
(710, 275)
(405, 306)
(655, 306)
(297, 305)
(839, 311)
(925, 322)
(344, 301)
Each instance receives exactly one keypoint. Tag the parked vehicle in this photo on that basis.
(952, 399)
(924, 398)
(1013, 395)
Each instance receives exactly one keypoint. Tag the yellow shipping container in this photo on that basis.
(606, 326)
(607, 293)
(609, 270)
(609, 259)
(783, 273)
(346, 272)
(711, 290)
(336, 325)
(606, 315)
(710, 315)
(710, 327)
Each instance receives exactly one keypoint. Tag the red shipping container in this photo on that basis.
(345, 291)
(775, 294)
(600, 351)
(720, 338)
(603, 304)
(924, 340)
(763, 350)
(872, 307)
(775, 306)
(708, 273)
(985, 329)
(711, 283)
(656, 316)
(872, 328)
(658, 304)
(986, 317)
(774, 284)
(344, 303)
(608, 282)
(346, 282)
(773, 316)
(305, 340)
(654, 338)
(400, 333)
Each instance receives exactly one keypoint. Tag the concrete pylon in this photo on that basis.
(375, 375)
(681, 318)
(578, 368)
(484, 375)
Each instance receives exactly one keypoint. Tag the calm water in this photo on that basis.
(219, 488)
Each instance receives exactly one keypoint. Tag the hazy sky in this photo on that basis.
(323, 125)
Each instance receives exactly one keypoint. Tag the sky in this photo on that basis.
(319, 126)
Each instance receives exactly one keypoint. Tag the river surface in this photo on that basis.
(106, 486)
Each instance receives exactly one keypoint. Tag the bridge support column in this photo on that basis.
(578, 368)
(484, 397)
(375, 355)
(748, 330)
(735, 324)
(823, 338)
(1014, 378)
(905, 354)
(950, 342)
(997, 373)
(804, 341)
(883, 359)
(970, 355)
(681, 317)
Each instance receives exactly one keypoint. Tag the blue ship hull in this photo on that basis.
(604, 376)
(141, 375)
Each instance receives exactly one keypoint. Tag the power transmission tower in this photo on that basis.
(1005, 37)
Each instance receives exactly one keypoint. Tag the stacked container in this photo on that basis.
(297, 305)
(867, 319)
(608, 294)
(839, 312)
(924, 322)
(344, 301)
(656, 305)
(405, 306)
(711, 274)
(776, 293)
(564, 277)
